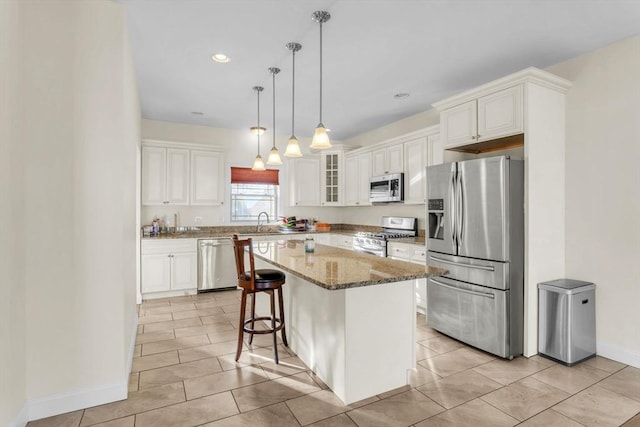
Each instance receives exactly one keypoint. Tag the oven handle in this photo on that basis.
(463, 264)
(464, 291)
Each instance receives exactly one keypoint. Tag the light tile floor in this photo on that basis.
(184, 374)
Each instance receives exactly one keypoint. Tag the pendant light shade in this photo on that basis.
(274, 156)
(320, 139)
(258, 164)
(293, 148)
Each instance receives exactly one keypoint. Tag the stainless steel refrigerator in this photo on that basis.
(475, 221)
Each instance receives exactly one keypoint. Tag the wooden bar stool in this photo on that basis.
(251, 282)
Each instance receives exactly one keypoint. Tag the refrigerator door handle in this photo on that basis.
(462, 264)
(464, 291)
(459, 208)
(452, 216)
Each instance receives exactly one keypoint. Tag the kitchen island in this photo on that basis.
(350, 317)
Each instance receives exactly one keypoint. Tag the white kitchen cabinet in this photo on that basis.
(169, 265)
(344, 241)
(165, 176)
(416, 254)
(488, 117)
(387, 160)
(415, 163)
(331, 172)
(207, 177)
(357, 173)
(435, 149)
(322, 238)
(304, 181)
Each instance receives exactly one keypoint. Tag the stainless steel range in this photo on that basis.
(394, 227)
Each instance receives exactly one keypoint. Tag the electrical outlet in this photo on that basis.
(197, 219)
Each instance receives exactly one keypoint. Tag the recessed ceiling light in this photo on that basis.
(401, 95)
(197, 113)
(220, 57)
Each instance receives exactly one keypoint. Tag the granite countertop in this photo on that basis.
(334, 268)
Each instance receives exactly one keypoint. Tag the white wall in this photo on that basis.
(603, 189)
(12, 211)
(72, 228)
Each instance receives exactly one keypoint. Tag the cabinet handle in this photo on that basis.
(473, 137)
(479, 136)
(357, 203)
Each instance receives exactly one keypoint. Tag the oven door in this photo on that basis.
(370, 246)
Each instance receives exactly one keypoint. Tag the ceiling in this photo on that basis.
(372, 50)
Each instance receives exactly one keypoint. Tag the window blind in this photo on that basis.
(248, 176)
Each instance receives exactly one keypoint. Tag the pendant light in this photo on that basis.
(293, 148)
(274, 156)
(320, 139)
(258, 164)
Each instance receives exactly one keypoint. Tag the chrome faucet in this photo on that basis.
(258, 225)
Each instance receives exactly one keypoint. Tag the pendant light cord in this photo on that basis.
(320, 71)
(293, 93)
(258, 121)
(274, 108)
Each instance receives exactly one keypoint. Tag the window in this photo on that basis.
(253, 192)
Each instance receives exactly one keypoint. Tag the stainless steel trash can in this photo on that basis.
(566, 320)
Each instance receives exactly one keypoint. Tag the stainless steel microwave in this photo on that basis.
(387, 188)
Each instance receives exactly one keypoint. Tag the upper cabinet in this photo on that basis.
(357, 174)
(165, 176)
(418, 152)
(173, 175)
(435, 149)
(387, 160)
(304, 181)
(331, 178)
(206, 178)
(495, 115)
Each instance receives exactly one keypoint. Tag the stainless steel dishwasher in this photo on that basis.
(216, 265)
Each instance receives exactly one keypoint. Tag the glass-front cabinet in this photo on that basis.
(332, 178)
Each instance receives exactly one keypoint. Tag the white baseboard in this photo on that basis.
(619, 354)
(48, 406)
(21, 419)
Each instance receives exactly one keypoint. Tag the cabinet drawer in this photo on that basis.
(408, 252)
(168, 246)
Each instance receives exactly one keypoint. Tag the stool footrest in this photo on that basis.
(278, 327)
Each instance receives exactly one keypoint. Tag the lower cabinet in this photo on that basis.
(343, 241)
(412, 253)
(169, 266)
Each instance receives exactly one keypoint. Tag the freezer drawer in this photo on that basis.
(473, 314)
(493, 274)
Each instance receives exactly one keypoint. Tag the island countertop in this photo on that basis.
(334, 268)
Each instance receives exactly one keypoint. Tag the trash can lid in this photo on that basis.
(567, 286)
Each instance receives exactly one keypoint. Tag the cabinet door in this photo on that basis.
(364, 179)
(436, 150)
(351, 181)
(184, 270)
(155, 272)
(342, 241)
(207, 176)
(304, 182)
(458, 124)
(379, 162)
(177, 176)
(154, 175)
(415, 163)
(331, 179)
(397, 251)
(500, 114)
(395, 159)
